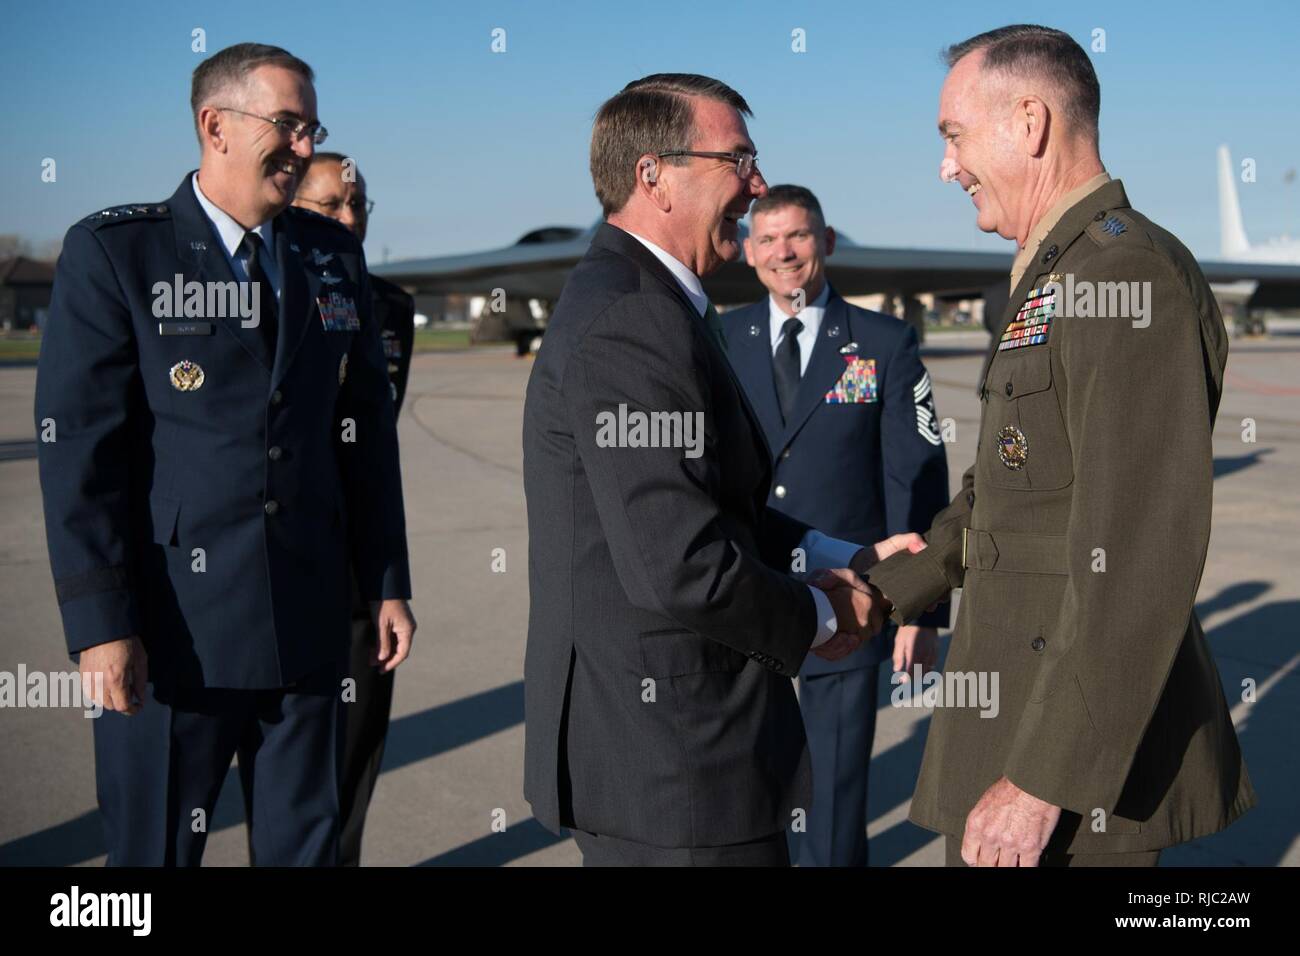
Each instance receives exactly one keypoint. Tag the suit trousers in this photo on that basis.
(839, 715)
(952, 857)
(157, 769)
(610, 851)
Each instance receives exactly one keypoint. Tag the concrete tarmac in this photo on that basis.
(454, 763)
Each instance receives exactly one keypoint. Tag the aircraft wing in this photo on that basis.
(1277, 286)
(525, 270)
(537, 267)
(538, 270)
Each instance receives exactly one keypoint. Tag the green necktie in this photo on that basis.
(715, 326)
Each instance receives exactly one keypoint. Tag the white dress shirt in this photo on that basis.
(820, 551)
(232, 236)
(811, 317)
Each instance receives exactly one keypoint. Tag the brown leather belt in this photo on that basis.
(1014, 551)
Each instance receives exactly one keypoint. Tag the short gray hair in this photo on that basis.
(230, 68)
(1028, 50)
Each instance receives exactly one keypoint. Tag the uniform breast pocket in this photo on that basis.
(1024, 445)
(337, 342)
(333, 349)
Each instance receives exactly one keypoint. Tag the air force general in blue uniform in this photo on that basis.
(205, 487)
(857, 454)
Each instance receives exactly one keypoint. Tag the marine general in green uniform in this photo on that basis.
(1080, 533)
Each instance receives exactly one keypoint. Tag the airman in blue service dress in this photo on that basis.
(207, 486)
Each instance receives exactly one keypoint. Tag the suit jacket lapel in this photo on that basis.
(203, 259)
(298, 292)
(825, 366)
(617, 240)
(624, 243)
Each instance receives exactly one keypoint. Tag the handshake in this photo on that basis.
(860, 609)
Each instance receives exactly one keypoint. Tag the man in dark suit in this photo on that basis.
(222, 444)
(839, 391)
(333, 186)
(664, 627)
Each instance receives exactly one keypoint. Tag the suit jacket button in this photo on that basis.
(785, 454)
(271, 507)
(970, 498)
(1038, 643)
(274, 453)
(1010, 389)
(780, 491)
(276, 397)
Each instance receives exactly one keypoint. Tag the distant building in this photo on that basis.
(25, 287)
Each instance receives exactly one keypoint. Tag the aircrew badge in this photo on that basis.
(186, 376)
(1013, 447)
(857, 385)
(1033, 320)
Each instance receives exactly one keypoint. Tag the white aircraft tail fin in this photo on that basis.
(1232, 234)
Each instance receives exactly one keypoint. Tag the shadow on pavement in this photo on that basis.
(1226, 466)
(1263, 835)
(498, 849)
(1241, 644)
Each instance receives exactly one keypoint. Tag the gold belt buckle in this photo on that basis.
(964, 533)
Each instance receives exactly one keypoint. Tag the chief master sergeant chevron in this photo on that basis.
(219, 441)
(1081, 530)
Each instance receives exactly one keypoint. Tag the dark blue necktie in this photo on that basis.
(786, 367)
(268, 316)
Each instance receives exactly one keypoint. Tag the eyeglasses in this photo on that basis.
(294, 129)
(746, 163)
(332, 206)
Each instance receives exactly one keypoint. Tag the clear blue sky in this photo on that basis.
(464, 149)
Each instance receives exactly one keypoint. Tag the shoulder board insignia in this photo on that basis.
(127, 213)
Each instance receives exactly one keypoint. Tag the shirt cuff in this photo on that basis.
(823, 551)
(827, 623)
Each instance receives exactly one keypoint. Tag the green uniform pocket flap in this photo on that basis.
(1027, 373)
